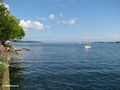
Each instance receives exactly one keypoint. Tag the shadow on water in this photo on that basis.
(16, 70)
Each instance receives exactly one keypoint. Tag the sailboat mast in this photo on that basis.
(87, 46)
(86, 37)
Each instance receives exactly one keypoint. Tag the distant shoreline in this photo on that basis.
(108, 42)
(29, 42)
(117, 42)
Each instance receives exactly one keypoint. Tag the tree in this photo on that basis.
(9, 25)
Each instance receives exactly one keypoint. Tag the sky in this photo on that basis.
(68, 20)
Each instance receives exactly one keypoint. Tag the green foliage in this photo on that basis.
(2, 68)
(0, 82)
(7, 45)
(3, 61)
(9, 25)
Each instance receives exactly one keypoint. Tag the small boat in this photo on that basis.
(87, 46)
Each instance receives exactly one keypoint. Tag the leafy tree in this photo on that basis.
(9, 25)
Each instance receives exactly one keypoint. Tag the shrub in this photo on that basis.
(3, 61)
(7, 45)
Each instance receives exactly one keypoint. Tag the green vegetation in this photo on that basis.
(3, 62)
(10, 29)
(9, 25)
(29, 42)
(7, 45)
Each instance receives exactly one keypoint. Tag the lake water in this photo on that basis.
(51, 66)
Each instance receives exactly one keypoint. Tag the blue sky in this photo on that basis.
(68, 20)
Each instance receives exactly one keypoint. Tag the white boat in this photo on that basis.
(87, 46)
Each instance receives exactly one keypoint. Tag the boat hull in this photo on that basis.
(87, 46)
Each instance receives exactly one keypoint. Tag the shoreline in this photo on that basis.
(6, 79)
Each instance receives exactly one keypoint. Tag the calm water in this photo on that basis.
(66, 67)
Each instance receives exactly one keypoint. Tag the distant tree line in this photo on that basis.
(9, 25)
(29, 42)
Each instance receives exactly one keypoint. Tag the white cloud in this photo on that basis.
(115, 37)
(57, 22)
(105, 38)
(51, 16)
(31, 25)
(48, 27)
(69, 22)
(43, 18)
(96, 37)
(58, 27)
(38, 18)
(73, 0)
(61, 14)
